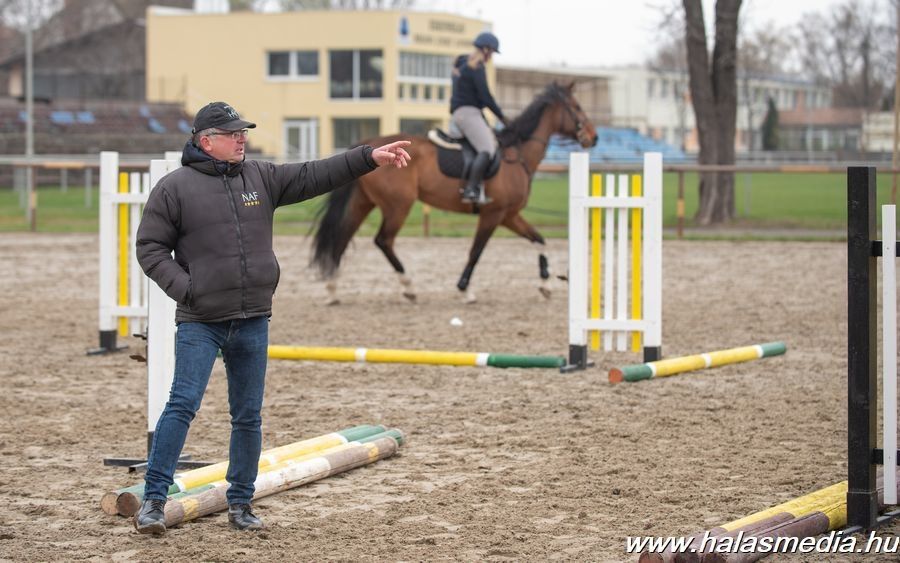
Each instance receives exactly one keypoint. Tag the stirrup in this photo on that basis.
(472, 197)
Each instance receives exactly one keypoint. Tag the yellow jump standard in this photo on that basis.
(683, 364)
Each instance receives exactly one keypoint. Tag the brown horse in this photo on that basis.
(394, 190)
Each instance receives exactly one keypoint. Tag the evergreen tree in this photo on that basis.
(770, 128)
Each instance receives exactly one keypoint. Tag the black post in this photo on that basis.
(862, 348)
(578, 359)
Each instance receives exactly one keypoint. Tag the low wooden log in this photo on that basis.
(271, 482)
(825, 520)
(805, 513)
(785, 511)
(127, 501)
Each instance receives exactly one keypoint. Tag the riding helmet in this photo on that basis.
(489, 40)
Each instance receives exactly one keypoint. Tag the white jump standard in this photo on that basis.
(644, 259)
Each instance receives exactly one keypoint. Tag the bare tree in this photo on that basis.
(853, 49)
(761, 53)
(16, 13)
(670, 62)
(714, 97)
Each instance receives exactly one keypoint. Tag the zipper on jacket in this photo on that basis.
(240, 235)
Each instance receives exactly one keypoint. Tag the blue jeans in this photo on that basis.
(244, 344)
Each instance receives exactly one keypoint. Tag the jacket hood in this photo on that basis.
(193, 156)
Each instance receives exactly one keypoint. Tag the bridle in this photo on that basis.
(579, 131)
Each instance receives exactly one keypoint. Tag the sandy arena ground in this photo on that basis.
(500, 464)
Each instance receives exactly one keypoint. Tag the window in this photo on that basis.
(423, 65)
(356, 74)
(348, 132)
(307, 63)
(293, 64)
(279, 63)
(425, 76)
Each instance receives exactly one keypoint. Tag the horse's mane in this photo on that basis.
(521, 128)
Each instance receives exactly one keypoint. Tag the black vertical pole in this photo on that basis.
(862, 348)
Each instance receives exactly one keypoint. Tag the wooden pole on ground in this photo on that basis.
(126, 501)
(271, 482)
(673, 366)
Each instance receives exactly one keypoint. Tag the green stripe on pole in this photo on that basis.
(392, 433)
(636, 372)
(362, 431)
(516, 361)
(773, 349)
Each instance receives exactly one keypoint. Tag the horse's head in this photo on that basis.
(573, 122)
(555, 110)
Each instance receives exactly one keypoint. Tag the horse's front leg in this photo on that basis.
(517, 224)
(487, 224)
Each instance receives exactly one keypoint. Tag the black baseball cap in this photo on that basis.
(221, 116)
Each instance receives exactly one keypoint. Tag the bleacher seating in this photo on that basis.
(75, 127)
(614, 144)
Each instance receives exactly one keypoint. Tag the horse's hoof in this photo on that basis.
(332, 302)
(411, 297)
(545, 292)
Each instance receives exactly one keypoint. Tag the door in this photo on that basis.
(301, 139)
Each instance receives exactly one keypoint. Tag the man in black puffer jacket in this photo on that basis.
(216, 214)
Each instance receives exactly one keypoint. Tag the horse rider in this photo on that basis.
(471, 95)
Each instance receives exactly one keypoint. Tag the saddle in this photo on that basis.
(455, 155)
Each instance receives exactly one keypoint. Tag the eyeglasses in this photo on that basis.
(235, 135)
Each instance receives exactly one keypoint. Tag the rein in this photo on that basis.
(579, 125)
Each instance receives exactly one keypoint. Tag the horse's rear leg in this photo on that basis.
(523, 228)
(357, 211)
(486, 227)
(393, 219)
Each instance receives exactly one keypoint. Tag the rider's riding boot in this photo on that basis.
(473, 190)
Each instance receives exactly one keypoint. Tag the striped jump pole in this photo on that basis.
(810, 515)
(393, 434)
(126, 501)
(615, 260)
(375, 355)
(674, 366)
(291, 475)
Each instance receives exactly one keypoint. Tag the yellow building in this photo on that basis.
(315, 82)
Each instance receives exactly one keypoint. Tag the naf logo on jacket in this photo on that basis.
(250, 199)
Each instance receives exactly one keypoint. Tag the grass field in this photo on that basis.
(800, 202)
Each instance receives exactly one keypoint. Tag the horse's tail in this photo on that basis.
(333, 234)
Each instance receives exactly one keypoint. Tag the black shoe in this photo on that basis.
(151, 518)
(241, 518)
(470, 194)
